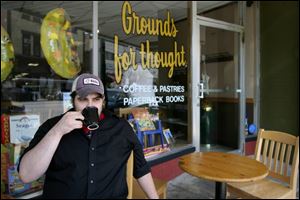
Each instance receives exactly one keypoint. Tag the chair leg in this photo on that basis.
(150, 140)
(141, 138)
(161, 140)
(164, 194)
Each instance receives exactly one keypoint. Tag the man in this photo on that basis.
(82, 163)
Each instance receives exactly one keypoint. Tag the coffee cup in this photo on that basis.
(91, 117)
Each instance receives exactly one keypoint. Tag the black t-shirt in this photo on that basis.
(92, 168)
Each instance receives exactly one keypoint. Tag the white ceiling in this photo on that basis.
(109, 13)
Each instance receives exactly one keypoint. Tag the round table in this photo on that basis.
(222, 168)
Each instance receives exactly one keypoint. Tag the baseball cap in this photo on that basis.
(86, 84)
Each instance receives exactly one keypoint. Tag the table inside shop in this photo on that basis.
(222, 168)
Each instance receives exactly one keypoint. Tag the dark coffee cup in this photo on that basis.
(91, 117)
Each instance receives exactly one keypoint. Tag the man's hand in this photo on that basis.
(70, 121)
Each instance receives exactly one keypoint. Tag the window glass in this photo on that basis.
(35, 84)
(146, 65)
(143, 62)
(219, 10)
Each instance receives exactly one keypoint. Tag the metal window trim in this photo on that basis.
(205, 21)
(194, 118)
(95, 67)
(257, 67)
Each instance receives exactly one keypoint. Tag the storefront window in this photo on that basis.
(143, 54)
(38, 83)
(146, 66)
(35, 85)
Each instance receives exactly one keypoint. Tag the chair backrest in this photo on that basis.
(124, 112)
(277, 150)
(129, 175)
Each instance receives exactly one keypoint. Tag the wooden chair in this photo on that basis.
(134, 189)
(276, 150)
(129, 175)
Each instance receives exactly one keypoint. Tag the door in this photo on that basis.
(219, 89)
(217, 99)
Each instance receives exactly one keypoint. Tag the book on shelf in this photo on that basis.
(168, 136)
(17, 187)
(155, 150)
(15, 151)
(143, 118)
(10, 155)
(146, 124)
(5, 129)
(5, 163)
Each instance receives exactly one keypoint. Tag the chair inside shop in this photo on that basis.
(279, 151)
(145, 127)
(134, 189)
(156, 130)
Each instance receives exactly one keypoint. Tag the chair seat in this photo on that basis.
(279, 151)
(160, 185)
(263, 189)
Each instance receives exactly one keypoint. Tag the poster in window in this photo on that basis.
(23, 128)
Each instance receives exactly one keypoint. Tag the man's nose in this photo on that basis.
(90, 103)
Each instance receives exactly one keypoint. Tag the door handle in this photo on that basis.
(200, 94)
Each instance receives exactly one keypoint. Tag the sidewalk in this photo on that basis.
(186, 186)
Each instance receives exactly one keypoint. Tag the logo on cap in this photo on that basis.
(91, 81)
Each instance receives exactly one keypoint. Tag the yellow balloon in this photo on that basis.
(7, 54)
(57, 44)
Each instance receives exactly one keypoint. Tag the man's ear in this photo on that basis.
(103, 103)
